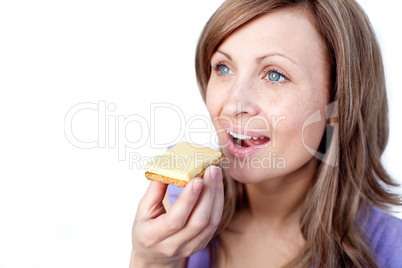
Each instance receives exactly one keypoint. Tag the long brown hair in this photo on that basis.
(341, 191)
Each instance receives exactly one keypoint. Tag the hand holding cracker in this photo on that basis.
(165, 238)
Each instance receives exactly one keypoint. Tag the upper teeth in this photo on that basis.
(241, 136)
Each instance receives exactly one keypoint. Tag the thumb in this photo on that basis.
(151, 203)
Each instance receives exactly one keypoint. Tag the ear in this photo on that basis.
(332, 121)
(331, 113)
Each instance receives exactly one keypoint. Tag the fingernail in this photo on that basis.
(197, 186)
(216, 173)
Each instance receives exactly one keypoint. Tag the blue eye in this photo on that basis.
(223, 69)
(275, 76)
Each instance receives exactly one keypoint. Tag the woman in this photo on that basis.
(280, 80)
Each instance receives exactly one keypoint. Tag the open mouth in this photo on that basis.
(245, 141)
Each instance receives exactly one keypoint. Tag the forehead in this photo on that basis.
(287, 31)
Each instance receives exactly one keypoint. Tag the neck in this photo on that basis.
(277, 202)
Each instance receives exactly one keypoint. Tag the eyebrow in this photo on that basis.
(226, 54)
(259, 59)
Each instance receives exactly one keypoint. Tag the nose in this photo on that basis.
(241, 100)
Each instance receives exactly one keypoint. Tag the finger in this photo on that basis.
(152, 199)
(214, 212)
(201, 240)
(184, 205)
(217, 210)
(201, 214)
(202, 211)
(174, 220)
(196, 234)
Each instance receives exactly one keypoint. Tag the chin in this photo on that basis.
(263, 166)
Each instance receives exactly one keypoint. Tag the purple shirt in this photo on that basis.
(383, 230)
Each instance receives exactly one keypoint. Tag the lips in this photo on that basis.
(243, 142)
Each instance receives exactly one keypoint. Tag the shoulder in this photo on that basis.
(384, 232)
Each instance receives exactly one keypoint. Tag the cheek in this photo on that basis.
(312, 134)
(303, 124)
(314, 121)
(209, 101)
(212, 107)
(213, 102)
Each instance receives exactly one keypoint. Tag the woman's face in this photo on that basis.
(267, 79)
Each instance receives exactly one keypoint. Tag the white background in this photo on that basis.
(62, 206)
